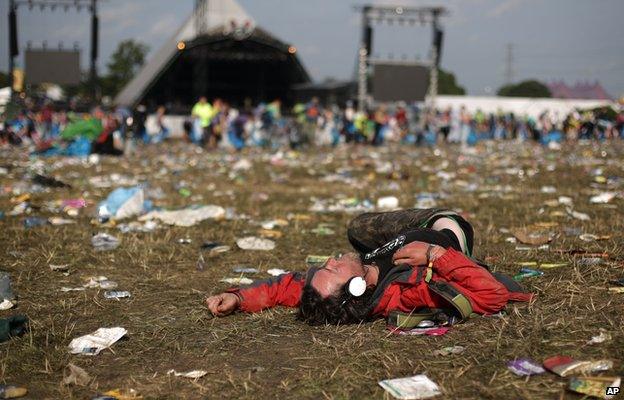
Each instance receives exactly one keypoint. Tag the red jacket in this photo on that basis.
(401, 289)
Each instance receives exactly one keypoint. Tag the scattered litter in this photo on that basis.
(245, 270)
(590, 261)
(6, 305)
(56, 221)
(548, 189)
(274, 223)
(268, 233)
(134, 226)
(123, 203)
(349, 205)
(602, 198)
(528, 263)
(100, 282)
(569, 231)
(528, 248)
(617, 289)
(566, 366)
(185, 241)
(19, 209)
(186, 216)
(552, 265)
(97, 341)
(316, 261)
(104, 242)
(604, 336)
(447, 351)
(12, 392)
(525, 367)
(7, 297)
(276, 272)
(413, 387)
(588, 237)
(201, 263)
(237, 281)
(32, 222)
(49, 181)
(434, 331)
(323, 230)
(388, 203)
(70, 289)
(242, 165)
(116, 294)
(195, 374)
(13, 326)
(59, 268)
(578, 215)
(603, 387)
(120, 394)
(255, 243)
(619, 282)
(73, 203)
(527, 236)
(76, 376)
(527, 273)
(214, 248)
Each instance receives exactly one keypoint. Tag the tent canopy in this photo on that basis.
(234, 60)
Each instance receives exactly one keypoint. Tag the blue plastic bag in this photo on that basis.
(117, 198)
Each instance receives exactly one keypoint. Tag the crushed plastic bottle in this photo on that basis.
(31, 222)
(116, 294)
(104, 242)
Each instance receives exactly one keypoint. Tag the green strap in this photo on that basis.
(458, 301)
(403, 320)
(453, 296)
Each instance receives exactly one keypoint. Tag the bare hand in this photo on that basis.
(222, 304)
(415, 253)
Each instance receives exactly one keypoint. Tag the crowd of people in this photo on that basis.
(218, 124)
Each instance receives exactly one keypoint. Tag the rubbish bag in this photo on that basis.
(124, 203)
(15, 325)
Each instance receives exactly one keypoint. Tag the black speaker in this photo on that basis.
(95, 22)
(14, 48)
(438, 38)
(368, 39)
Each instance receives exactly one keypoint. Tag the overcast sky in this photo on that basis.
(552, 39)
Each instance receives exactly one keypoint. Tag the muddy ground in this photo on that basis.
(271, 354)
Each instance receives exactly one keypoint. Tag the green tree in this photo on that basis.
(530, 88)
(4, 79)
(124, 63)
(447, 84)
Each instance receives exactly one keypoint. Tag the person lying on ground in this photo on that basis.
(428, 249)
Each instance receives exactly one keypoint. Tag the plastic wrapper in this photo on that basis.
(525, 367)
(97, 341)
(104, 242)
(413, 387)
(566, 366)
(255, 243)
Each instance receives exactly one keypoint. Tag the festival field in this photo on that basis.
(499, 187)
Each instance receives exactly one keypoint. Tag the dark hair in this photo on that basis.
(340, 308)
